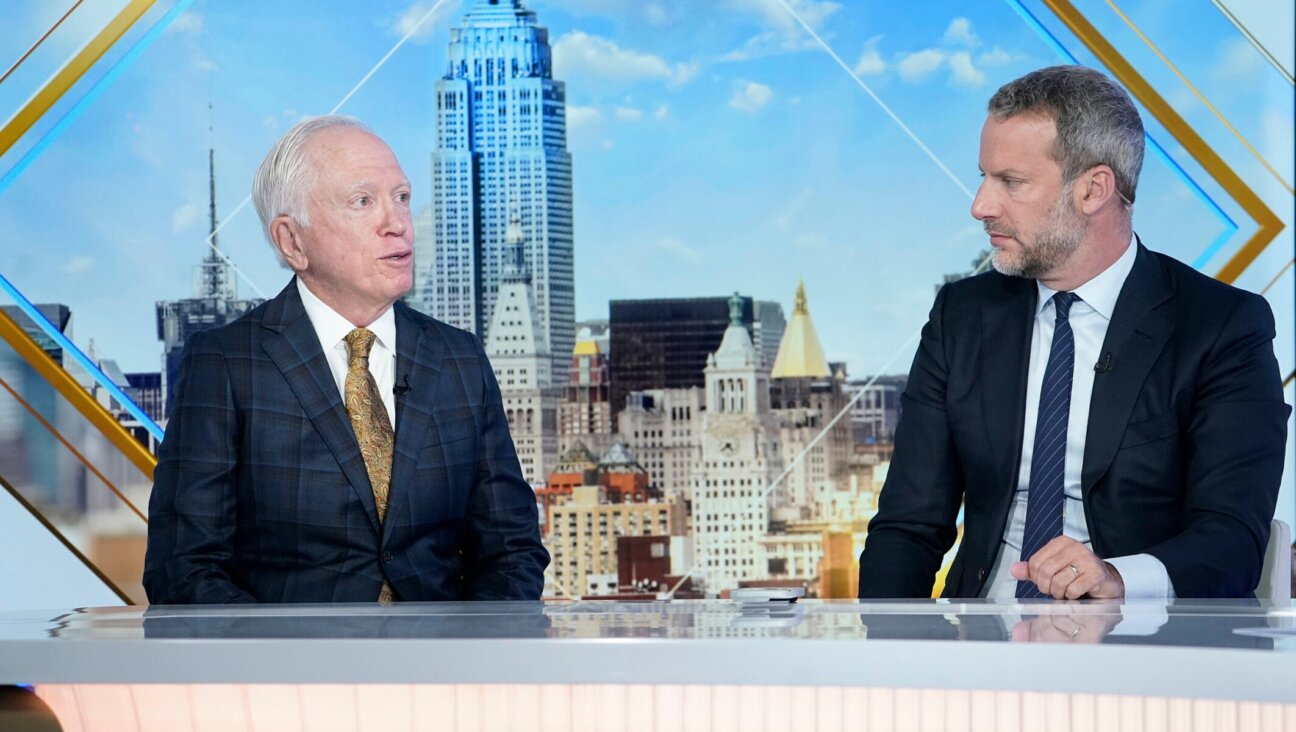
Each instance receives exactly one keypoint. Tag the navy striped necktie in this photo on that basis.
(1046, 498)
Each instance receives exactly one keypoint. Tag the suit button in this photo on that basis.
(981, 575)
(387, 557)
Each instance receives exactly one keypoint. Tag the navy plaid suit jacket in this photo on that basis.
(261, 495)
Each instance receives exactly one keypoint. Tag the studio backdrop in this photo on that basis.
(697, 239)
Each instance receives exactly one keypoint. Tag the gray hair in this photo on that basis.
(1097, 123)
(286, 175)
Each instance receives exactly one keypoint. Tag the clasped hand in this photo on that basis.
(1068, 570)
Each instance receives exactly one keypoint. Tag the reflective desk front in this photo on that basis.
(1226, 653)
(1224, 649)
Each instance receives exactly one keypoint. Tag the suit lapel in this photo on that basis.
(1005, 357)
(295, 349)
(418, 356)
(1135, 337)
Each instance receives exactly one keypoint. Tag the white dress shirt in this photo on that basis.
(1144, 575)
(332, 330)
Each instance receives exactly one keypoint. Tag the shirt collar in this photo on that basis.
(332, 328)
(1101, 292)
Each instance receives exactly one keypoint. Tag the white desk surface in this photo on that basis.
(1200, 649)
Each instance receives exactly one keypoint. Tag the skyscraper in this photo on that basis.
(806, 393)
(520, 358)
(740, 459)
(214, 303)
(501, 148)
(664, 343)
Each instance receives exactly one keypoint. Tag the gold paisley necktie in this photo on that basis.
(373, 429)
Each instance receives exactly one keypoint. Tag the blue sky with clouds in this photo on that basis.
(717, 147)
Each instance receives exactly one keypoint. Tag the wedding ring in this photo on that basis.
(1073, 569)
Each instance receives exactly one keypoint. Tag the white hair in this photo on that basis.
(286, 175)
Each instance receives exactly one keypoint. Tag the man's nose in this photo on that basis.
(983, 205)
(395, 222)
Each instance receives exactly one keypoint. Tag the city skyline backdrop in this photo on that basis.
(716, 147)
(680, 151)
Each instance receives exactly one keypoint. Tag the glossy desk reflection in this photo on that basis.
(1216, 650)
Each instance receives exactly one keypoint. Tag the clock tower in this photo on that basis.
(740, 460)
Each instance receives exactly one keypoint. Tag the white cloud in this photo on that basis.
(583, 121)
(784, 33)
(184, 217)
(959, 33)
(192, 24)
(678, 249)
(580, 54)
(777, 17)
(963, 72)
(629, 114)
(750, 96)
(870, 62)
(78, 263)
(662, 112)
(413, 19)
(954, 56)
(918, 66)
(994, 57)
(577, 115)
(684, 73)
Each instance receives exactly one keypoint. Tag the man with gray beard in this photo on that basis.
(1111, 420)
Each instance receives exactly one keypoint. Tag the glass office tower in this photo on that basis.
(501, 151)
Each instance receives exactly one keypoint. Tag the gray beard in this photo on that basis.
(1050, 249)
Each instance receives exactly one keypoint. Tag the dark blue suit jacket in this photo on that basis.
(261, 495)
(1184, 451)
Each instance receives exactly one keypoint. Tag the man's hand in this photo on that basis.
(1067, 570)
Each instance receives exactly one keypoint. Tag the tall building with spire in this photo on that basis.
(214, 303)
(501, 148)
(519, 353)
(800, 355)
(806, 393)
(740, 460)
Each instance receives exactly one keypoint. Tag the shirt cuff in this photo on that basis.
(1145, 577)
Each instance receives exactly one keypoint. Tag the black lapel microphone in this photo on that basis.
(1103, 366)
(403, 389)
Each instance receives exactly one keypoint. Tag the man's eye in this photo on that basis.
(362, 201)
(1012, 182)
(403, 197)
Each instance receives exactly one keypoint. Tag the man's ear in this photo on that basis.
(287, 236)
(1095, 189)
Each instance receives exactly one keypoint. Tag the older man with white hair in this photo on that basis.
(334, 445)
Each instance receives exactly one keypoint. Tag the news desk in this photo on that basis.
(686, 665)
